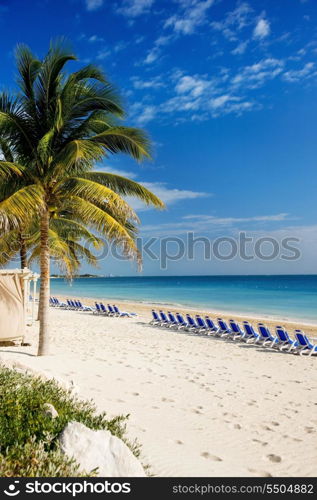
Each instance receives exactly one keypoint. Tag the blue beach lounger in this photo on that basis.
(155, 319)
(224, 330)
(172, 319)
(104, 310)
(111, 311)
(251, 334)
(201, 324)
(97, 308)
(164, 319)
(82, 307)
(181, 322)
(284, 340)
(212, 328)
(236, 329)
(304, 344)
(266, 337)
(191, 323)
(122, 313)
(60, 304)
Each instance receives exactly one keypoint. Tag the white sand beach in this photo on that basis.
(200, 406)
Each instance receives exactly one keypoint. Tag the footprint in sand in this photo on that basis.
(309, 430)
(205, 454)
(235, 426)
(274, 458)
(263, 443)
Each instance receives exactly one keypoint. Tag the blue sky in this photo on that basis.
(227, 91)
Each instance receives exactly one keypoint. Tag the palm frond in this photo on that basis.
(8, 168)
(6, 150)
(76, 156)
(95, 193)
(125, 187)
(24, 202)
(96, 218)
(131, 141)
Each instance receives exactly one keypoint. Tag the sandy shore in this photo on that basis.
(200, 406)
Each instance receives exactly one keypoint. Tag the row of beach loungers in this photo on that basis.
(233, 331)
(100, 308)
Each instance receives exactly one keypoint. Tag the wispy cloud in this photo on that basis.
(240, 48)
(95, 38)
(308, 71)
(155, 52)
(153, 83)
(202, 224)
(93, 4)
(192, 14)
(262, 29)
(234, 220)
(257, 74)
(143, 113)
(134, 8)
(170, 196)
(103, 54)
(113, 170)
(234, 22)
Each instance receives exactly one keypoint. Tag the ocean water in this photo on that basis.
(277, 296)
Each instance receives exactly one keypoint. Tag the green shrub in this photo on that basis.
(28, 434)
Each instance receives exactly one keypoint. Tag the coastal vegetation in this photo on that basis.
(28, 434)
(52, 201)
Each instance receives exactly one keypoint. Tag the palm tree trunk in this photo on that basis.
(44, 336)
(23, 257)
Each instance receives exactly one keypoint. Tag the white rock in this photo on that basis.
(99, 449)
(50, 410)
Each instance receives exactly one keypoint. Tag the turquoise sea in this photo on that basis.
(276, 296)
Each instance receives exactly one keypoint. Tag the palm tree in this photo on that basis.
(58, 126)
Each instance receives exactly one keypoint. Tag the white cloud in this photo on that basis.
(146, 114)
(112, 170)
(234, 21)
(192, 15)
(234, 220)
(93, 4)
(194, 85)
(170, 196)
(219, 102)
(307, 71)
(154, 53)
(134, 8)
(95, 38)
(165, 193)
(262, 29)
(240, 48)
(201, 224)
(103, 54)
(153, 83)
(257, 74)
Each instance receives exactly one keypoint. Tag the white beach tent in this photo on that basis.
(15, 304)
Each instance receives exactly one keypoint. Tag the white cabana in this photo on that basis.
(16, 306)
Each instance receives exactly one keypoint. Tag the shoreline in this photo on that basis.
(146, 307)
